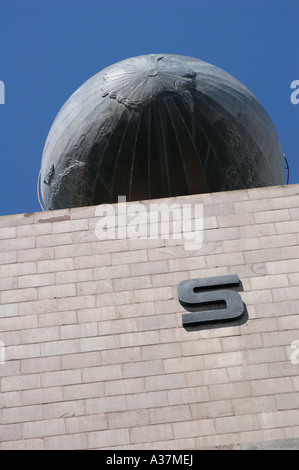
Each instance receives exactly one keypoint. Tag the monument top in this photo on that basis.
(158, 125)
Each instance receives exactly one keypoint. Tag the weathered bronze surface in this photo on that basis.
(156, 126)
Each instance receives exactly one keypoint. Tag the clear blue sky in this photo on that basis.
(48, 48)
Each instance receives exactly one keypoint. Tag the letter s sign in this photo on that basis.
(203, 296)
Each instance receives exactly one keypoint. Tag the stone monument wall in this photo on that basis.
(93, 352)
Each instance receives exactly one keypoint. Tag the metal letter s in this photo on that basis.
(203, 296)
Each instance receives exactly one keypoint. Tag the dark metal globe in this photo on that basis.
(155, 126)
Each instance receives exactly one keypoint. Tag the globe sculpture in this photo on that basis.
(154, 126)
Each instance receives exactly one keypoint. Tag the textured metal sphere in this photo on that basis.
(155, 126)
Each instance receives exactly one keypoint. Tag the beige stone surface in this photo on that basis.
(95, 353)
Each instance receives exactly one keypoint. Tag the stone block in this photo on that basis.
(232, 424)
(42, 396)
(127, 257)
(119, 356)
(84, 330)
(37, 307)
(73, 250)
(24, 444)
(9, 310)
(82, 391)
(76, 303)
(57, 348)
(249, 373)
(225, 259)
(99, 343)
(102, 373)
(13, 244)
(146, 400)
(16, 219)
(130, 283)
(78, 275)
(18, 295)
(57, 318)
(170, 414)
(264, 355)
(272, 386)
(205, 346)
(55, 265)
(182, 364)
(206, 377)
(43, 428)
(53, 292)
(106, 404)
(151, 267)
(272, 216)
(279, 419)
(11, 432)
(40, 364)
(261, 256)
(139, 338)
(66, 442)
(128, 419)
(53, 240)
(63, 409)
(70, 226)
(284, 294)
(269, 282)
(84, 262)
(94, 287)
(160, 351)
(124, 386)
(40, 335)
(241, 245)
(227, 359)
(287, 227)
(154, 294)
(154, 432)
(212, 409)
(143, 369)
(14, 323)
(13, 353)
(156, 322)
(117, 298)
(116, 326)
(81, 424)
(288, 239)
(229, 391)
(188, 395)
(112, 272)
(165, 382)
(8, 232)
(17, 269)
(254, 405)
(33, 230)
(16, 383)
(61, 377)
(258, 230)
(36, 280)
(195, 428)
(8, 257)
(21, 414)
(103, 439)
(36, 254)
(90, 315)
(11, 399)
